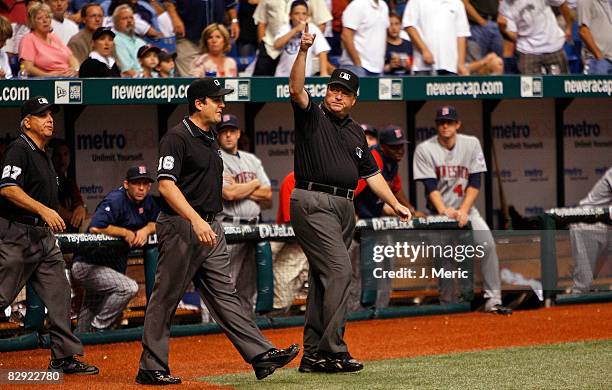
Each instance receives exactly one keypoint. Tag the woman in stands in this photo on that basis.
(213, 62)
(43, 53)
(101, 62)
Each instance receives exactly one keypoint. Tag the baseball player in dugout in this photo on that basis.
(28, 221)
(192, 245)
(450, 165)
(246, 191)
(331, 154)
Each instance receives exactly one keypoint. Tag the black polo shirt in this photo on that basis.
(192, 158)
(329, 150)
(27, 166)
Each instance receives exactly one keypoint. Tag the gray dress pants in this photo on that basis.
(324, 226)
(182, 258)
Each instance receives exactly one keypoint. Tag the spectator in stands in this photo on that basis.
(438, 30)
(482, 15)
(290, 264)
(63, 27)
(288, 40)
(364, 32)
(71, 205)
(126, 41)
(17, 15)
(148, 57)
(128, 212)
(491, 64)
(190, 18)
(398, 55)
(247, 41)
(213, 62)
(246, 191)
(81, 44)
(6, 32)
(165, 68)
(337, 9)
(371, 134)
(532, 25)
(595, 21)
(272, 15)
(146, 23)
(101, 62)
(42, 52)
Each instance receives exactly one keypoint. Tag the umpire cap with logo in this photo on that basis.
(345, 78)
(37, 105)
(447, 113)
(392, 135)
(138, 172)
(203, 88)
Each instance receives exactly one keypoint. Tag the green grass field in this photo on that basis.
(585, 365)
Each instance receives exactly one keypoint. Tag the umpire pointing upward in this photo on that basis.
(331, 154)
(192, 244)
(28, 218)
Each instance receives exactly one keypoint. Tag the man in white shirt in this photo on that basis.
(63, 27)
(364, 37)
(438, 30)
(595, 23)
(532, 25)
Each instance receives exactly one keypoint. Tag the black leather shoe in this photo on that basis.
(156, 377)
(71, 365)
(266, 363)
(342, 362)
(312, 363)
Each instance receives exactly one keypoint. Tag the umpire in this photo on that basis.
(28, 218)
(192, 244)
(331, 153)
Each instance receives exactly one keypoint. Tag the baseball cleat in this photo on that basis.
(265, 364)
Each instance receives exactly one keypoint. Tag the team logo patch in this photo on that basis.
(141, 210)
(142, 170)
(358, 151)
(107, 208)
(445, 110)
(42, 100)
(344, 75)
(398, 133)
(217, 83)
(226, 117)
(480, 158)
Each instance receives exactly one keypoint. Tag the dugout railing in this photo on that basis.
(367, 231)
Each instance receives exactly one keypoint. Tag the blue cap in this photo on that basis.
(447, 113)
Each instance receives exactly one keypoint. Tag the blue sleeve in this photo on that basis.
(431, 185)
(107, 213)
(153, 210)
(474, 180)
(230, 4)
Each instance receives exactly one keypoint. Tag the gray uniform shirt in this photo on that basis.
(597, 16)
(451, 168)
(243, 167)
(601, 193)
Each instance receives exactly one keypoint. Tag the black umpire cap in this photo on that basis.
(203, 88)
(345, 78)
(37, 105)
(138, 172)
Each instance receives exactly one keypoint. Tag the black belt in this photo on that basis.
(208, 217)
(27, 220)
(249, 221)
(336, 191)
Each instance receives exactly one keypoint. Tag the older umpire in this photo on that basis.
(192, 244)
(331, 154)
(28, 218)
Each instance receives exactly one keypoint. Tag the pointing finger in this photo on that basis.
(306, 28)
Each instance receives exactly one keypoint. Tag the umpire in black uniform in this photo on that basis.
(192, 244)
(28, 218)
(331, 154)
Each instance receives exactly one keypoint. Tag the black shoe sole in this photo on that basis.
(264, 370)
(96, 372)
(145, 382)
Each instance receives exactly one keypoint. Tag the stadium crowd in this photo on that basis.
(227, 38)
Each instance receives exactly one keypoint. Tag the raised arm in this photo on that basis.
(297, 75)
